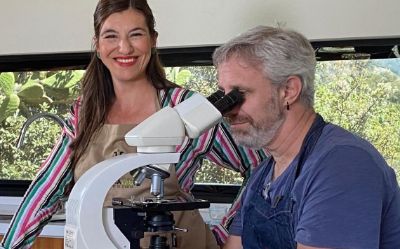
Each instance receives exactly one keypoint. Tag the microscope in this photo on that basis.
(89, 225)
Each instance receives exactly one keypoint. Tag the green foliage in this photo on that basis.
(21, 96)
(7, 83)
(9, 105)
(357, 95)
(362, 98)
(23, 163)
(178, 75)
(211, 173)
(23, 93)
(32, 94)
(9, 101)
(63, 86)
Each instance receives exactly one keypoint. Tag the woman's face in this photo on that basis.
(124, 45)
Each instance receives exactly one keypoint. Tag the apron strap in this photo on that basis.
(310, 141)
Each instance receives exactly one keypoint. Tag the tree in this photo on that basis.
(361, 97)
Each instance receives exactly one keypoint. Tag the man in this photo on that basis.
(323, 187)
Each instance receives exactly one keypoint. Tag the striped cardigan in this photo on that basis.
(43, 197)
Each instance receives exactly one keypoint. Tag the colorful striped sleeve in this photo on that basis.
(43, 197)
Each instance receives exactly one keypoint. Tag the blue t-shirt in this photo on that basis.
(346, 195)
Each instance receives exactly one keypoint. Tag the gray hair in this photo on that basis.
(280, 53)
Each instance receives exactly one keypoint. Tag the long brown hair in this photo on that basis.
(97, 94)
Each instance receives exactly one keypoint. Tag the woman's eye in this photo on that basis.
(110, 36)
(136, 34)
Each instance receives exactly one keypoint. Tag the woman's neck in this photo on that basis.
(133, 103)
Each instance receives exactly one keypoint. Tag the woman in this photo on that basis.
(123, 85)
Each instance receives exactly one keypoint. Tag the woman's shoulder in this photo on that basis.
(174, 95)
(73, 114)
(76, 103)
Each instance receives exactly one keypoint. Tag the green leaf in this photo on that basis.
(36, 101)
(58, 94)
(183, 76)
(76, 77)
(31, 90)
(32, 93)
(7, 82)
(8, 106)
(64, 79)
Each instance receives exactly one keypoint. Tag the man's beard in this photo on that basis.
(255, 137)
(262, 132)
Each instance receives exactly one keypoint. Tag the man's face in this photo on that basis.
(256, 121)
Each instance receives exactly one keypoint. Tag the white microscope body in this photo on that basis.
(88, 224)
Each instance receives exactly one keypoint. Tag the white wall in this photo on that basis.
(48, 26)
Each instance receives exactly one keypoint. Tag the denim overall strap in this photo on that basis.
(269, 223)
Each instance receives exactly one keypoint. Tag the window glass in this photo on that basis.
(362, 96)
(48, 94)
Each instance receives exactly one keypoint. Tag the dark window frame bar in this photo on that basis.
(188, 56)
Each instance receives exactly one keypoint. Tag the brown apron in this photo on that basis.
(110, 142)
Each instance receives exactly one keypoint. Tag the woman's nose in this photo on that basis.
(125, 47)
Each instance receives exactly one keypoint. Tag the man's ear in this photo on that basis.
(292, 89)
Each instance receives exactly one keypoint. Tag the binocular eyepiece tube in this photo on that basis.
(226, 102)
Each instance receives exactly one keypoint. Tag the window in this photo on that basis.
(22, 95)
(362, 95)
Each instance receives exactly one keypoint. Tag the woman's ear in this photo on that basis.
(95, 42)
(292, 89)
(154, 39)
(95, 46)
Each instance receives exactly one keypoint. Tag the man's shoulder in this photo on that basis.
(340, 151)
(334, 137)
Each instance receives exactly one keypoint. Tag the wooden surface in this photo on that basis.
(47, 243)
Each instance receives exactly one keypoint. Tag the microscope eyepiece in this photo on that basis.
(216, 96)
(225, 103)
